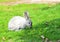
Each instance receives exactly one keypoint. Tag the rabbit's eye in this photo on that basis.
(29, 23)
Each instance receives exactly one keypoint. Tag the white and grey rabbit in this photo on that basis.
(18, 22)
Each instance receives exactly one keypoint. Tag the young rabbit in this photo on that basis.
(18, 22)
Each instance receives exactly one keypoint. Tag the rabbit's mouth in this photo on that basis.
(31, 25)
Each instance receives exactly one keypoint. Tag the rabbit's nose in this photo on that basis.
(31, 26)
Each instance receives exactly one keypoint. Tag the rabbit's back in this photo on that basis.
(16, 22)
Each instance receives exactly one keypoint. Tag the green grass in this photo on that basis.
(7, 0)
(46, 21)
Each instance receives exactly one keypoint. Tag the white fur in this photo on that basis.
(17, 22)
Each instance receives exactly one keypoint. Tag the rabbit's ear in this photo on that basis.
(26, 14)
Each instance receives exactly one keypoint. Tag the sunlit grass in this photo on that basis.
(8, 0)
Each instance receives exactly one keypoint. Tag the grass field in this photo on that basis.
(46, 21)
(7, 0)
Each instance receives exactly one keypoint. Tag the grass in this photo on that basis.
(46, 21)
(7, 0)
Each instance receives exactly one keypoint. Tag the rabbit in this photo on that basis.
(18, 22)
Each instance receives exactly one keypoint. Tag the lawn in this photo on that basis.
(7, 0)
(45, 19)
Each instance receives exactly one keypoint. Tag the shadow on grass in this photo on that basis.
(50, 29)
